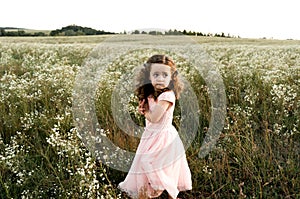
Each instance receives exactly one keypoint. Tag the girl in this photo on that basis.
(160, 162)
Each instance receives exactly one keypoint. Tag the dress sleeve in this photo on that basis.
(167, 96)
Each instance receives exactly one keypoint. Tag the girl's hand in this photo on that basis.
(142, 108)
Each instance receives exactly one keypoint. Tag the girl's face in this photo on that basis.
(160, 76)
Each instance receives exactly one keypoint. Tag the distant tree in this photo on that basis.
(167, 32)
(39, 34)
(12, 33)
(54, 32)
(2, 32)
(136, 32)
(174, 32)
(21, 33)
(177, 32)
(154, 32)
(15, 32)
(88, 31)
(191, 33)
(74, 30)
(200, 34)
(70, 33)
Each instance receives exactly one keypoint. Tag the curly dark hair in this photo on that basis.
(144, 88)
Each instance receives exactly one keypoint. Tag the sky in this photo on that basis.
(278, 19)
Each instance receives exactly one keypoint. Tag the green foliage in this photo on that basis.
(14, 32)
(74, 30)
(257, 155)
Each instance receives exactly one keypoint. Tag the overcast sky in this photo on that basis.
(246, 18)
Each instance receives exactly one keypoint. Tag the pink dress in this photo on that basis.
(160, 161)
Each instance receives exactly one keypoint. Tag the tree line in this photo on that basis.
(19, 33)
(184, 32)
(74, 30)
(71, 30)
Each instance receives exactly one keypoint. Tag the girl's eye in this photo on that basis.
(163, 75)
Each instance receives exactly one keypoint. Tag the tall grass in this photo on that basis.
(257, 155)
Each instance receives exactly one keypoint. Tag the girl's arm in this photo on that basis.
(157, 112)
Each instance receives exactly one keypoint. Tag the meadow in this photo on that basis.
(42, 155)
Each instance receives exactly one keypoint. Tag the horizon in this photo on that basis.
(247, 19)
(128, 31)
(147, 30)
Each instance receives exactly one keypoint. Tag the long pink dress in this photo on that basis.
(160, 161)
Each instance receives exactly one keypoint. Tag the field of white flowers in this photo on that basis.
(42, 155)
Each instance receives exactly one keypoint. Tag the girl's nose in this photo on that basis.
(160, 78)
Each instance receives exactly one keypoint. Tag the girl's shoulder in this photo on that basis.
(167, 96)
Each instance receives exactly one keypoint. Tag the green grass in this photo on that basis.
(257, 155)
